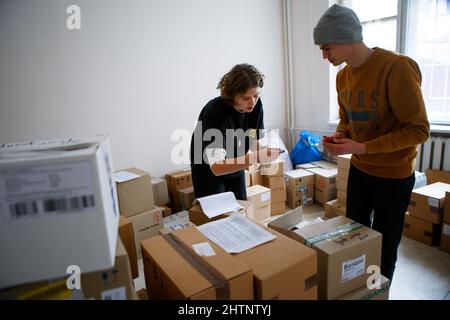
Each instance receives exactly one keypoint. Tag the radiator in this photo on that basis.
(434, 154)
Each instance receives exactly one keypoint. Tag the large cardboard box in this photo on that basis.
(260, 196)
(364, 293)
(283, 269)
(427, 202)
(300, 196)
(58, 207)
(421, 230)
(160, 191)
(186, 197)
(176, 181)
(145, 225)
(198, 217)
(174, 270)
(445, 237)
(344, 251)
(335, 208)
(111, 284)
(136, 194)
(298, 178)
(274, 182)
(272, 169)
(126, 234)
(256, 178)
(277, 195)
(325, 184)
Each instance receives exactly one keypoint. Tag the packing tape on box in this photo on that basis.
(332, 233)
(220, 284)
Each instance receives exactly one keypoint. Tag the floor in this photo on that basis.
(422, 272)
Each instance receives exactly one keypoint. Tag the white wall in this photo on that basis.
(311, 74)
(137, 69)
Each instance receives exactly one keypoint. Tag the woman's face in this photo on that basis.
(246, 101)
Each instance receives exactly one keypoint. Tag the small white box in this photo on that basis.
(58, 207)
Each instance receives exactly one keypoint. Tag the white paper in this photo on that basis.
(353, 268)
(218, 204)
(433, 202)
(235, 233)
(305, 223)
(176, 221)
(123, 176)
(204, 249)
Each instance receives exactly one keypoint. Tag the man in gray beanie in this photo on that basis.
(382, 120)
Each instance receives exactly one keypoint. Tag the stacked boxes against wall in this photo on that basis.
(180, 182)
(424, 217)
(273, 178)
(325, 180)
(300, 188)
(136, 203)
(345, 249)
(337, 207)
(445, 236)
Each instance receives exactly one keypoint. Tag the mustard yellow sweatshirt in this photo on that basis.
(381, 105)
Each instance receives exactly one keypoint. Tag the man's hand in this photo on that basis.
(344, 146)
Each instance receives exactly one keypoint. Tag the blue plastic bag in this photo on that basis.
(306, 149)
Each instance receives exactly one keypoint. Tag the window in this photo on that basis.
(419, 29)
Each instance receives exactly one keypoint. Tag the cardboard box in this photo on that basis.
(277, 195)
(198, 217)
(300, 192)
(146, 225)
(446, 216)
(58, 207)
(294, 203)
(283, 269)
(421, 230)
(364, 293)
(256, 178)
(126, 234)
(299, 177)
(343, 161)
(160, 191)
(261, 214)
(186, 197)
(427, 202)
(111, 284)
(274, 182)
(277, 208)
(341, 184)
(325, 165)
(344, 251)
(272, 169)
(342, 196)
(343, 174)
(445, 237)
(434, 176)
(136, 194)
(173, 270)
(335, 208)
(325, 184)
(176, 181)
(247, 178)
(260, 196)
(322, 197)
(166, 211)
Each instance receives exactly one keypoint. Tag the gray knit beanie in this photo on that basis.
(338, 24)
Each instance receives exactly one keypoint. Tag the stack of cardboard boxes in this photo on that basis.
(325, 180)
(424, 217)
(161, 195)
(300, 188)
(260, 197)
(337, 207)
(137, 205)
(179, 182)
(273, 178)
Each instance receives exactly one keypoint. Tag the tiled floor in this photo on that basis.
(422, 272)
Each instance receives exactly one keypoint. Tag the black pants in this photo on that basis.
(389, 199)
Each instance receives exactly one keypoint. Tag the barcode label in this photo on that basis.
(44, 206)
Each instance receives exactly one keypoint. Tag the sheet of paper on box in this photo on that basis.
(235, 234)
(123, 176)
(218, 204)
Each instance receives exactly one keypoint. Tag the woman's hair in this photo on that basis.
(241, 78)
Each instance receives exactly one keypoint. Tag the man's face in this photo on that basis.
(336, 53)
(245, 102)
